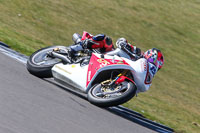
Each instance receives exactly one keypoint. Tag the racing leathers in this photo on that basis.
(101, 42)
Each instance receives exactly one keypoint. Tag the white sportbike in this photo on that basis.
(107, 80)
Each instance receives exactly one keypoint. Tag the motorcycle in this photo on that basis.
(108, 80)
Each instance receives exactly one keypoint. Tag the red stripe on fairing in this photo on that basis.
(92, 68)
(96, 63)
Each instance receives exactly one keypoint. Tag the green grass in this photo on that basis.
(170, 25)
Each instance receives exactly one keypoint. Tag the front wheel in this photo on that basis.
(40, 64)
(106, 96)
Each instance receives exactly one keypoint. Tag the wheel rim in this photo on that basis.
(107, 92)
(42, 59)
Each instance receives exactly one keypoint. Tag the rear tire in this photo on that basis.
(39, 64)
(111, 101)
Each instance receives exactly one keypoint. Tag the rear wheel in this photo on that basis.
(40, 64)
(105, 96)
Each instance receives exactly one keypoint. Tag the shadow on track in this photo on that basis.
(120, 111)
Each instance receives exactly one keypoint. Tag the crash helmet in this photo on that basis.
(155, 57)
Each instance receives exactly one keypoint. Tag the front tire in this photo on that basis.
(111, 100)
(40, 64)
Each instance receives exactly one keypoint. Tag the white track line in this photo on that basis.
(13, 54)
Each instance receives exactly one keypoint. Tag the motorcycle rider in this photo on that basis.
(101, 42)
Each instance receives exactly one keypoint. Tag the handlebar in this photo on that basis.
(131, 54)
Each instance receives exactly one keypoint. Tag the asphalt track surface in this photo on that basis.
(32, 105)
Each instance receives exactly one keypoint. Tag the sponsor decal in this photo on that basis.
(120, 62)
(144, 66)
(63, 69)
(73, 66)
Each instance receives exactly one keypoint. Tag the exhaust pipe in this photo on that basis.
(60, 56)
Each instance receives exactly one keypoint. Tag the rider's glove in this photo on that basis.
(87, 44)
(121, 43)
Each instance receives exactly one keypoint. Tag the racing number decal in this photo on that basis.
(103, 62)
(153, 70)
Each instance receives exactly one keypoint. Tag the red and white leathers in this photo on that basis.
(101, 42)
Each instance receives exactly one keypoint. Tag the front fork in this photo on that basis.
(120, 78)
(111, 86)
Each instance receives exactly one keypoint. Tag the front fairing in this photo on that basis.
(141, 72)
